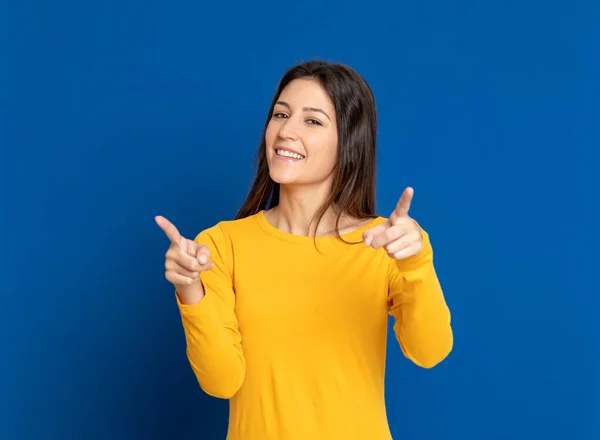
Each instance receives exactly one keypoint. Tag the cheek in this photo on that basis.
(270, 134)
(324, 156)
(328, 150)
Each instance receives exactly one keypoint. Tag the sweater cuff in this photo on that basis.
(205, 308)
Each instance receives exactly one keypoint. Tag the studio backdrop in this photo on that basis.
(114, 112)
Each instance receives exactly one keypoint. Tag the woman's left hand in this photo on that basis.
(399, 235)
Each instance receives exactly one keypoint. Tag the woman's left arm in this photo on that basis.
(416, 300)
(417, 303)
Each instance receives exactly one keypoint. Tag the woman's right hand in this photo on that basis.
(184, 261)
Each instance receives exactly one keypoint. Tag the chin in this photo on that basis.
(284, 173)
(283, 178)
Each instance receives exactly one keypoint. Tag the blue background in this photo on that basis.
(113, 112)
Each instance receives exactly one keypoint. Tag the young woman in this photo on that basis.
(285, 308)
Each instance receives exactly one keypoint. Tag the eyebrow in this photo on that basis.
(306, 109)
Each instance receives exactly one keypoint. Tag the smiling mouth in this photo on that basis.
(289, 154)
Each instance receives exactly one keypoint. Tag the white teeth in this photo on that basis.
(289, 154)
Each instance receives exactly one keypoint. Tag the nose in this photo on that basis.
(288, 130)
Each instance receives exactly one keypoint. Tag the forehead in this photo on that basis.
(306, 92)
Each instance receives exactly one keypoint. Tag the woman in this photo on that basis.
(285, 308)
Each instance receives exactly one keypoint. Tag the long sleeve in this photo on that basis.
(214, 343)
(422, 318)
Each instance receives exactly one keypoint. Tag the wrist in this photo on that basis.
(190, 294)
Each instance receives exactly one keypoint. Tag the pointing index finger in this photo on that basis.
(403, 205)
(169, 229)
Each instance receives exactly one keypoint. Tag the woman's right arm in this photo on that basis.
(207, 308)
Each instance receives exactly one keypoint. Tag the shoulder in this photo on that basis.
(222, 237)
(364, 225)
(377, 220)
(225, 231)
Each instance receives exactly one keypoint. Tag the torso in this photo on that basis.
(314, 324)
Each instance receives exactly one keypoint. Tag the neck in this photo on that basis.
(297, 209)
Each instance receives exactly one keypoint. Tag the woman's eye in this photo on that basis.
(313, 122)
(279, 115)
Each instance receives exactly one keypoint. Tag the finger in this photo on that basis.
(173, 266)
(189, 262)
(178, 279)
(373, 232)
(409, 251)
(186, 271)
(398, 245)
(169, 229)
(390, 234)
(403, 205)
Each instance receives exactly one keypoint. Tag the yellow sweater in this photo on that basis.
(295, 335)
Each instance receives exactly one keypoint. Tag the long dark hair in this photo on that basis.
(353, 188)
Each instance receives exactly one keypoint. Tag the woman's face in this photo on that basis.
(301, 137)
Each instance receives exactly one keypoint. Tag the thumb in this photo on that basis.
(202, 253)
(370, 234)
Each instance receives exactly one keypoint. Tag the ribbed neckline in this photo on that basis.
(353, 236)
